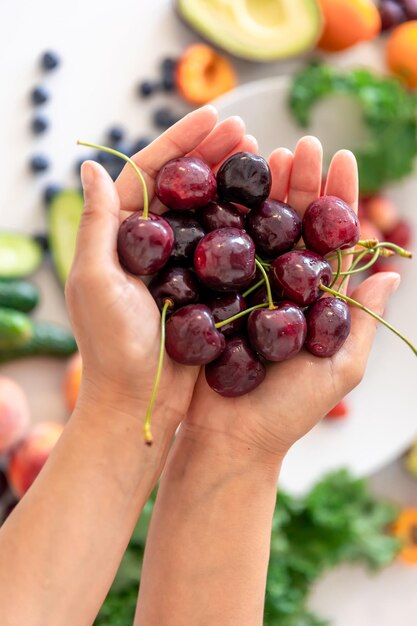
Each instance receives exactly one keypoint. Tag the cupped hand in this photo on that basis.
(115, 319)
(297, 393)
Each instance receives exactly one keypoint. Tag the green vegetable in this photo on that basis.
(389, 114)
(15, 329)
(47, 340)
(64, 218)
(339, 520)
(20, 255)
(17, 294)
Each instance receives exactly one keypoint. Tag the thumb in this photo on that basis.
(373, 293)
(97, 234)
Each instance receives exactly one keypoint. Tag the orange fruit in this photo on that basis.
(348, 22)
(402, 53)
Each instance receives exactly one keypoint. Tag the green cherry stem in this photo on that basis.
(241, 314)
(267, 284)
(145, 213)
(253, 288)
(339, 267)
(353, 267)
(377, 317)
(147, 425)
(358, 270)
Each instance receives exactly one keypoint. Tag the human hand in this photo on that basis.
(115, 319)
(297, 393)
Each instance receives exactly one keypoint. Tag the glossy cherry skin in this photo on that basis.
(274, 227)
(144, 245)
(187, 234)
(191, 336)
(328, 224)
(297, 275)
(177, 284)
(277, 334)
(244, 178)
(224, 259)
(237, 371)
(220, 215)
(185, 183)
(328, 326)
(260, 296)
(227, 305)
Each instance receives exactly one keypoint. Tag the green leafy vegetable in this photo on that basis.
(389, 113)
(338, 521)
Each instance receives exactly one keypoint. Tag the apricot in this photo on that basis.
(203, 74)
(383, 213)
(401, 53)
(347, 23)
(14, 414)
(29, 457)
(72, 381)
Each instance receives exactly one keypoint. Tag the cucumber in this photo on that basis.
(19, 295)
(64, 218)
(16, 329)
(47, 340)
(20, 255)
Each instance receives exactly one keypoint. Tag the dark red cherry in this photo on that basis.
(297, 275)
(260, 296)
(191, 336)
(175, 283)
(237, 371)
(187, 234)
(225, 259)
(328, 326)
(277, 334)
(227, 305)
(328, 224)
(185, 183)
(274, 227)
(244, 178)
(392, 14)
(220, 215)
(410, 8)
(144, 245)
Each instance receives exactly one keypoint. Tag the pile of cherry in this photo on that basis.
(234, 289)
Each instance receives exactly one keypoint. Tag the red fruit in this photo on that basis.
(330, 224)
(14, 413)
(340, 411)
(400, 234)
(383, 213)
(185, 183)
(328, 326)
(277, 334)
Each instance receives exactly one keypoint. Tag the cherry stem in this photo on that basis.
(352, 267)
(267, 283)
(253, 288)
(377, 317)
(357, 270)
(339, 267)
(145, 213)
(147, 425)
(241, 314)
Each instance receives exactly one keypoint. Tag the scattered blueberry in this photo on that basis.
(42, 240)
(39, 95)
(39, 124)
(139, 145)
(168, 66)
(164, 118)
(50, 192)
(116, 134)
(147, 88)
(39, 163)
(50, 60)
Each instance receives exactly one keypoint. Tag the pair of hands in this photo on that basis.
(117, 323)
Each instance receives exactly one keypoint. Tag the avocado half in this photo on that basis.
(256, 30)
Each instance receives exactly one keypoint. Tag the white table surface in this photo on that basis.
(107, 47)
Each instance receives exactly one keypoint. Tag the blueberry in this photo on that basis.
(168, 66)
(39, 124)
(39, 163)
(164, 118)
(50, 60)
(39, 95)
(116, 134)
(147, 88)
(139, 145)
(50, 192)
(43, 240)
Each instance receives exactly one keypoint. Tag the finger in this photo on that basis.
(373, 293)
(97, 233)
(248, 143)
(280, 162)
(305, 179)
(343, 182)
(222, 140)
(182, 138)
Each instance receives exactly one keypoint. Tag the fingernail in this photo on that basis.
(87, 174)
(210, 107)
(252, 138)
(395, 283)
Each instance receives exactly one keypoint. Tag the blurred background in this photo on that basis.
(120, 74)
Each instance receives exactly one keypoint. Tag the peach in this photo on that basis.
(14, 414)
(30, 456)
(72, 381)
(383, 213)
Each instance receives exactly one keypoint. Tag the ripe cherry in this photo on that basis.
(274, 227)
(244, 178)
(297, 276)
(144, 245)
(187, 234)
(328, 326)
(225, 306)
(328, 224)
(177, 284)
(185, 183)
(220, 215)
(277, 334)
